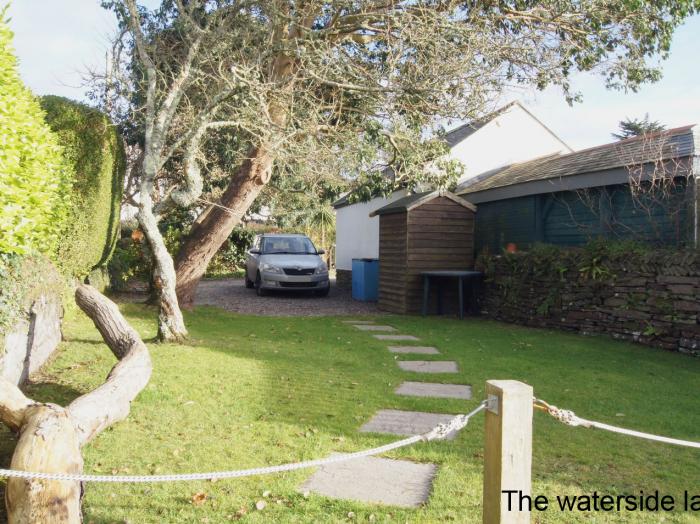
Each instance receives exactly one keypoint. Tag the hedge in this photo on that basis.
(34, 176)
(60, 190)
(94, 149)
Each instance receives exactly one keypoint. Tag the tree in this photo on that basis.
(358, 86)
(631, 127)
(169, 53)
(363, 80)
(304, 204)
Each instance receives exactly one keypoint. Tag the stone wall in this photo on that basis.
(31, 341)
(31, 310)
(343, 279)
(648, 297)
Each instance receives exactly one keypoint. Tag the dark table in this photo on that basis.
(462, 277)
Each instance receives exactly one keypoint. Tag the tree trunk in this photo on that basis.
(208, 236)
(171, 324)
(95, 411)
(49, 443)
(51, 437)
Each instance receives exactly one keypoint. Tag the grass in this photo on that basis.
(248, 391)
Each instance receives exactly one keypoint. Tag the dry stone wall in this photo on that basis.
(648, 297)
(31, 341)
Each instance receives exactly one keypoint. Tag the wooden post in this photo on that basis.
(507, 452)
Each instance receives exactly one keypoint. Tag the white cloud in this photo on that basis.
(58, 41)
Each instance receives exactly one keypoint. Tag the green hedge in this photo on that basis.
(34, 176)
(24, 278)
(93, 147)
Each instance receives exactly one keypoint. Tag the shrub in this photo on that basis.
(35, 179)
(231, 257)
(93, 147)
(132, 261)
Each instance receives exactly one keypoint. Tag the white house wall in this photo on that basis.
(514, 136)
(357, 234)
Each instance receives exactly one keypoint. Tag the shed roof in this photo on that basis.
(415, 200)
(675, 143)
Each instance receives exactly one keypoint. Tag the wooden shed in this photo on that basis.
(421, 232)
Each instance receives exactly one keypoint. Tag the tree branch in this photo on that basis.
(109, 403)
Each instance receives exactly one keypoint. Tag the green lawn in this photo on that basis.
(249, 391)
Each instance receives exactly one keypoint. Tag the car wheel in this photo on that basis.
(323, 292)
(259, 290)
(249, 283)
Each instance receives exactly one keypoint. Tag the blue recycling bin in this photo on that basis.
(365, 279)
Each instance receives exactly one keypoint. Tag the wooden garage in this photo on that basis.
(421, 232)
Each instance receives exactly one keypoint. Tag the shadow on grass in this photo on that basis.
(52, 392)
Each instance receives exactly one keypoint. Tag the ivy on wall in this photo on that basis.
(24, 279)
(629, 290)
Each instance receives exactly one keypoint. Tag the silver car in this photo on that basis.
(286, 263)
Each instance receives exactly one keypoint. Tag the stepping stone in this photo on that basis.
(427, 389)
(358, 321)
(370, 327)
(424, 350)
(395, 337)
(427, 366)
(374, 480)
(398, 422)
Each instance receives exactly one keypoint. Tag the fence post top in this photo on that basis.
(514, 386)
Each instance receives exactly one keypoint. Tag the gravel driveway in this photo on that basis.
(231, 294)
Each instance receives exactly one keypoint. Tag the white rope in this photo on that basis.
(570, 418)
(437, 433)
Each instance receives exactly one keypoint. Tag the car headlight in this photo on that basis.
(321, 270)
(271, 269)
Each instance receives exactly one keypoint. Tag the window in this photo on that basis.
(288, 245)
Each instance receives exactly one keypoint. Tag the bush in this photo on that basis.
(231, 257)
(35, 179)
(94, 148)
(131, 261)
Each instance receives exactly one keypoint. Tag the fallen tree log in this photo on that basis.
(51, 436)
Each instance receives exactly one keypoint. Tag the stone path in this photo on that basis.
(424, 350)
(371, 327)
(395, 337)
(375, 480)
(426, 389)
(383, 481)
(397, 422)
(428, 366)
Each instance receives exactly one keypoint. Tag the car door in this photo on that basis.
(252, 259)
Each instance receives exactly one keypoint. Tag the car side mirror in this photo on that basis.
(254, 251)
(320, 251)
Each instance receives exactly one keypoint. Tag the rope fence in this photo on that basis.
(570, 418)
(439, 432)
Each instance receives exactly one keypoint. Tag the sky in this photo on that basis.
(58, 41)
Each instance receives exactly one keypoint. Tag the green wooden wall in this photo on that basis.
(572, 218)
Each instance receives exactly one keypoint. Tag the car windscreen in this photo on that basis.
(288, 246)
